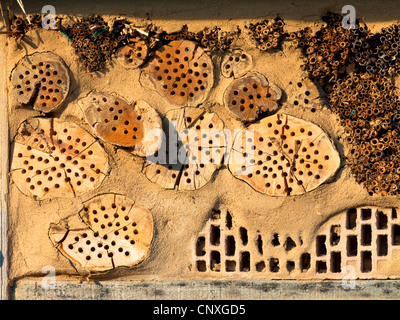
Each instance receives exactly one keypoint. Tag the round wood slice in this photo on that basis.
(181, 72)
(52, 158)
(40, 80)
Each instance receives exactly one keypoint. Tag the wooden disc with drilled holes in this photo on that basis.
(117, 122)
(41, 80)
(236, 64)
(52, 158)
(181, 72)
(133, 54)
(200, 142)
(303, 93)
(251, 95)
(119, 234)
(282, 155)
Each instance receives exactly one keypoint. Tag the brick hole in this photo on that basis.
(305, 262)
(321, 267)
(230, 245)
(245, 261)
(394, 213)
(381, 220)
(230, 266)
(335, 235)
(382, 245)
(351, 219)
(366, 214)
(366, 235)
(336, 260)
(321, 246)
(275, 241)
(243, 235)
(215, 261)
(215, 235)
(274, 265)
(352, 246)
(289, 244)
(260, 266)
(366, 261)
(290, 265)
(259, 243)
(228, 221)
(201, 266)
(396, 235)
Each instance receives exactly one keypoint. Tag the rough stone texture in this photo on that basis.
(207, 290)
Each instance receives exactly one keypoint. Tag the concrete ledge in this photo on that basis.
(206, 290)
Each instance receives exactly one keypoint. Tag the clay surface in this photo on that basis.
(181, 216)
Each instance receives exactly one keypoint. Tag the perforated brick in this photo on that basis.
(226, 247)
(359, 243)
(362, 240)
(251, 96)
(287, 156)
(52, 158)
(40, 80)
(181, 72)
(119, 234)
(137, 126)
(236, 64)
(200, 143)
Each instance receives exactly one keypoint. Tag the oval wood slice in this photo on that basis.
(282, 155)
(200, 142)
(137, 126)
(119, 234)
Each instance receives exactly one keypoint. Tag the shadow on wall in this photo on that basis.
(305, 10)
